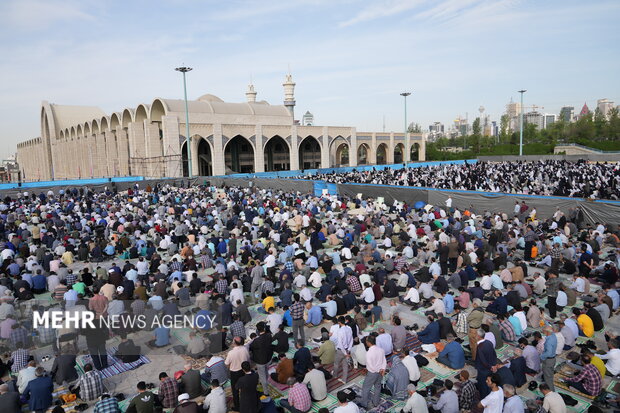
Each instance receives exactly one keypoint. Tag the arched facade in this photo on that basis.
(148, 140)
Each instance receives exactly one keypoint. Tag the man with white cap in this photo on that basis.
(186, 405)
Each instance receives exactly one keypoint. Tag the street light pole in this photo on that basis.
(406, 152)
(188, 138)
(521, 123)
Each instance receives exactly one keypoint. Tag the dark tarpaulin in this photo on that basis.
(607, 212)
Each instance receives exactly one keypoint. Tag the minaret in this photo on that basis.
(289, 94)
(251, 94)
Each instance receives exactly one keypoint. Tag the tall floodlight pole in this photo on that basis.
(406, 151)
(521, 123)
(188, 138)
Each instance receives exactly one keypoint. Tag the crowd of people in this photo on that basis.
(291, 290)
(550, 177)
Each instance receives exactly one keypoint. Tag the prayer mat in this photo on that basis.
(279, 386)
(562, 385)
(614, 387)
(115, 366)
(330, 403)
(197, 364)
(426, 376)
(412, 343)
(334, 382)
(274, 393)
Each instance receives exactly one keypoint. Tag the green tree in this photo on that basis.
(504, 123)
(475, 138)
(613, 125)
(600, 123)
(583, 129)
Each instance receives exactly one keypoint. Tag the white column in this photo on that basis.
(219, 163)
(294, 154)
(353, 148)
(259, 153)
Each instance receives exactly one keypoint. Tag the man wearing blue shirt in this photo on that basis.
(452, 355)
(448, 301)
(548, 357)
(430, 334)
(499, 305)
(162, 337)
(331, 308)
(315, 316)
(516, 324)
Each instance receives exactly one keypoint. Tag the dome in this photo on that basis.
(210, 98)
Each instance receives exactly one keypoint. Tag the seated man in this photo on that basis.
(430, 334)
(499, 305)
(452, 355)
(284, 370)
(589, 381)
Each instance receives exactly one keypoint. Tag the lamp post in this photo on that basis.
(521, 123)
(406, 152)
(188, 138)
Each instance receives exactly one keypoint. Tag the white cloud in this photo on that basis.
(381, 9)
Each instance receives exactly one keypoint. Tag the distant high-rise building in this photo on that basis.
(494, 129)
(604, 106)
(308, 119)
(584, 110)
(437, 127)
(567, 113)
(462, 126)
(535, 118)
(513, 110)
(549, 119)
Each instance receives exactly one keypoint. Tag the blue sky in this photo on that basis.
(349, 58)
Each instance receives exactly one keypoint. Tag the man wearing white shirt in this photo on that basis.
(412, 296)
(415, 403)
(494, 402)
(578, 284)
(305, 294)
(368, 295)
(612, 357)
(299, 281)
(315, 279)
(344, 343)
(236, 293)
(426, 290)
(375, 364)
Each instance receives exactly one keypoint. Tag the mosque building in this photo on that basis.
(83, 142)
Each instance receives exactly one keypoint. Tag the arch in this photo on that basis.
(96, 127)
(62, 134)
(205, 157)
(67, 134)
(142, 113)
(126, 118)
(86, 130)
(115, 121)
(239, 155)
(80, 132)
(277, 155)
(399, 153)
(363, 154)
(105, 124)
(72, 135)
(158, 110)
(309, 153)
(339, 152)
(342, 155)
(382, 151)
(414, 154)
